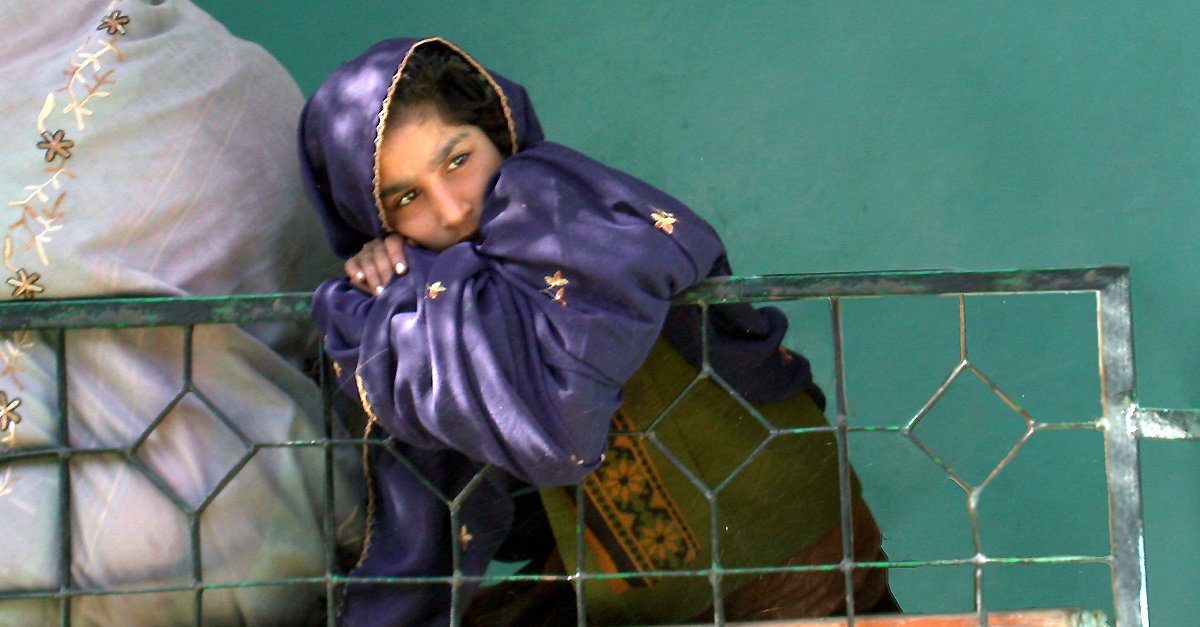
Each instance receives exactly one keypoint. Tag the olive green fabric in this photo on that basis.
(781, 502)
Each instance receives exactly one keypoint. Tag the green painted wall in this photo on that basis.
(821, 136)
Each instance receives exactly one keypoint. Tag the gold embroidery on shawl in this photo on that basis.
(664, 220)
(56, 145)
(464, 537)
(370, 492)
(114, 23)
(8, 411)
(370, 522)
(434, 290)
(25, 285)
(556, 281)
(362, 397)
(39, 215)
(366, 405)
(643, 528)
(12, 351)
(86, 77)
(8, 422)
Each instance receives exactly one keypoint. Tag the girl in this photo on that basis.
(507, 322)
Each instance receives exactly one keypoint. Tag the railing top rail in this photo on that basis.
(148, 311)
(901, 283)
(152, 311)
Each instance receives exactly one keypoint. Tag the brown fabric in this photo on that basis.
(818, 593)
(525, 603)
(772, 596)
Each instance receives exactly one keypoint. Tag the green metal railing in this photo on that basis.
(1122, 424)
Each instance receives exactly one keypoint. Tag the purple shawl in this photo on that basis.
(508, 351)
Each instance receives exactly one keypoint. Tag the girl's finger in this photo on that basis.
(373, 283)
(355, 274)
(382, 263)
(395, 249)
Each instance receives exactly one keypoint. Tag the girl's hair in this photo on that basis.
(437, 76)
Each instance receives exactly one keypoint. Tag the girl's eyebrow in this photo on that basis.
(442, 154)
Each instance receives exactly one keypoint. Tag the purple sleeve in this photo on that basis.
(513, 349)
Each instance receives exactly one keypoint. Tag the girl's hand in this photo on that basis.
(375, 265)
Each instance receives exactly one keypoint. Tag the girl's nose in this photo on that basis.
(453, 211)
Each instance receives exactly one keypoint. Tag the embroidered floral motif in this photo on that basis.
(93, 89)
(25, 284)
(624, 481)
(663, 220)
(88, 61)
(634, 524)
(662, 541)
(8, 414)
(114, 23)
(38, 192)
(434, 289)
(39, 215)
(47, 221)
(556, 281)
(12, 351)
(56, 145)
(86, 78)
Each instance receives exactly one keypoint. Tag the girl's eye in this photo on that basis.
(457, 161)
(406, 198)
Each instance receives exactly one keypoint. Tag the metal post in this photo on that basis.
(1122, 454)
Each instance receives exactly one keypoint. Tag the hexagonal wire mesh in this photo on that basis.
(1122, 423)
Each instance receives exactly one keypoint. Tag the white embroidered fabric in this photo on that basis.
(145, 150)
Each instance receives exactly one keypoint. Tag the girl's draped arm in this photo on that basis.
(513, 349)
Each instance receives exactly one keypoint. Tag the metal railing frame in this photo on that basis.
(1123, 422)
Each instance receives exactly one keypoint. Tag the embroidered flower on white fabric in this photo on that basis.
(25, 284)
(56, 145)
(114, 23)
(8, 413)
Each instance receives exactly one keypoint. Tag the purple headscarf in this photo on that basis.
(508, 351)
(339, 134)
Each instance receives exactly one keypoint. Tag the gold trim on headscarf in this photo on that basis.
(387, 104)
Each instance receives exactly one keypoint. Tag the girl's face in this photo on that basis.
(433, 177)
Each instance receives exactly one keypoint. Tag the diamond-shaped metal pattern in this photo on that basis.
(158, 449)
(740, 435)
(199, 509)
(970, 427)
